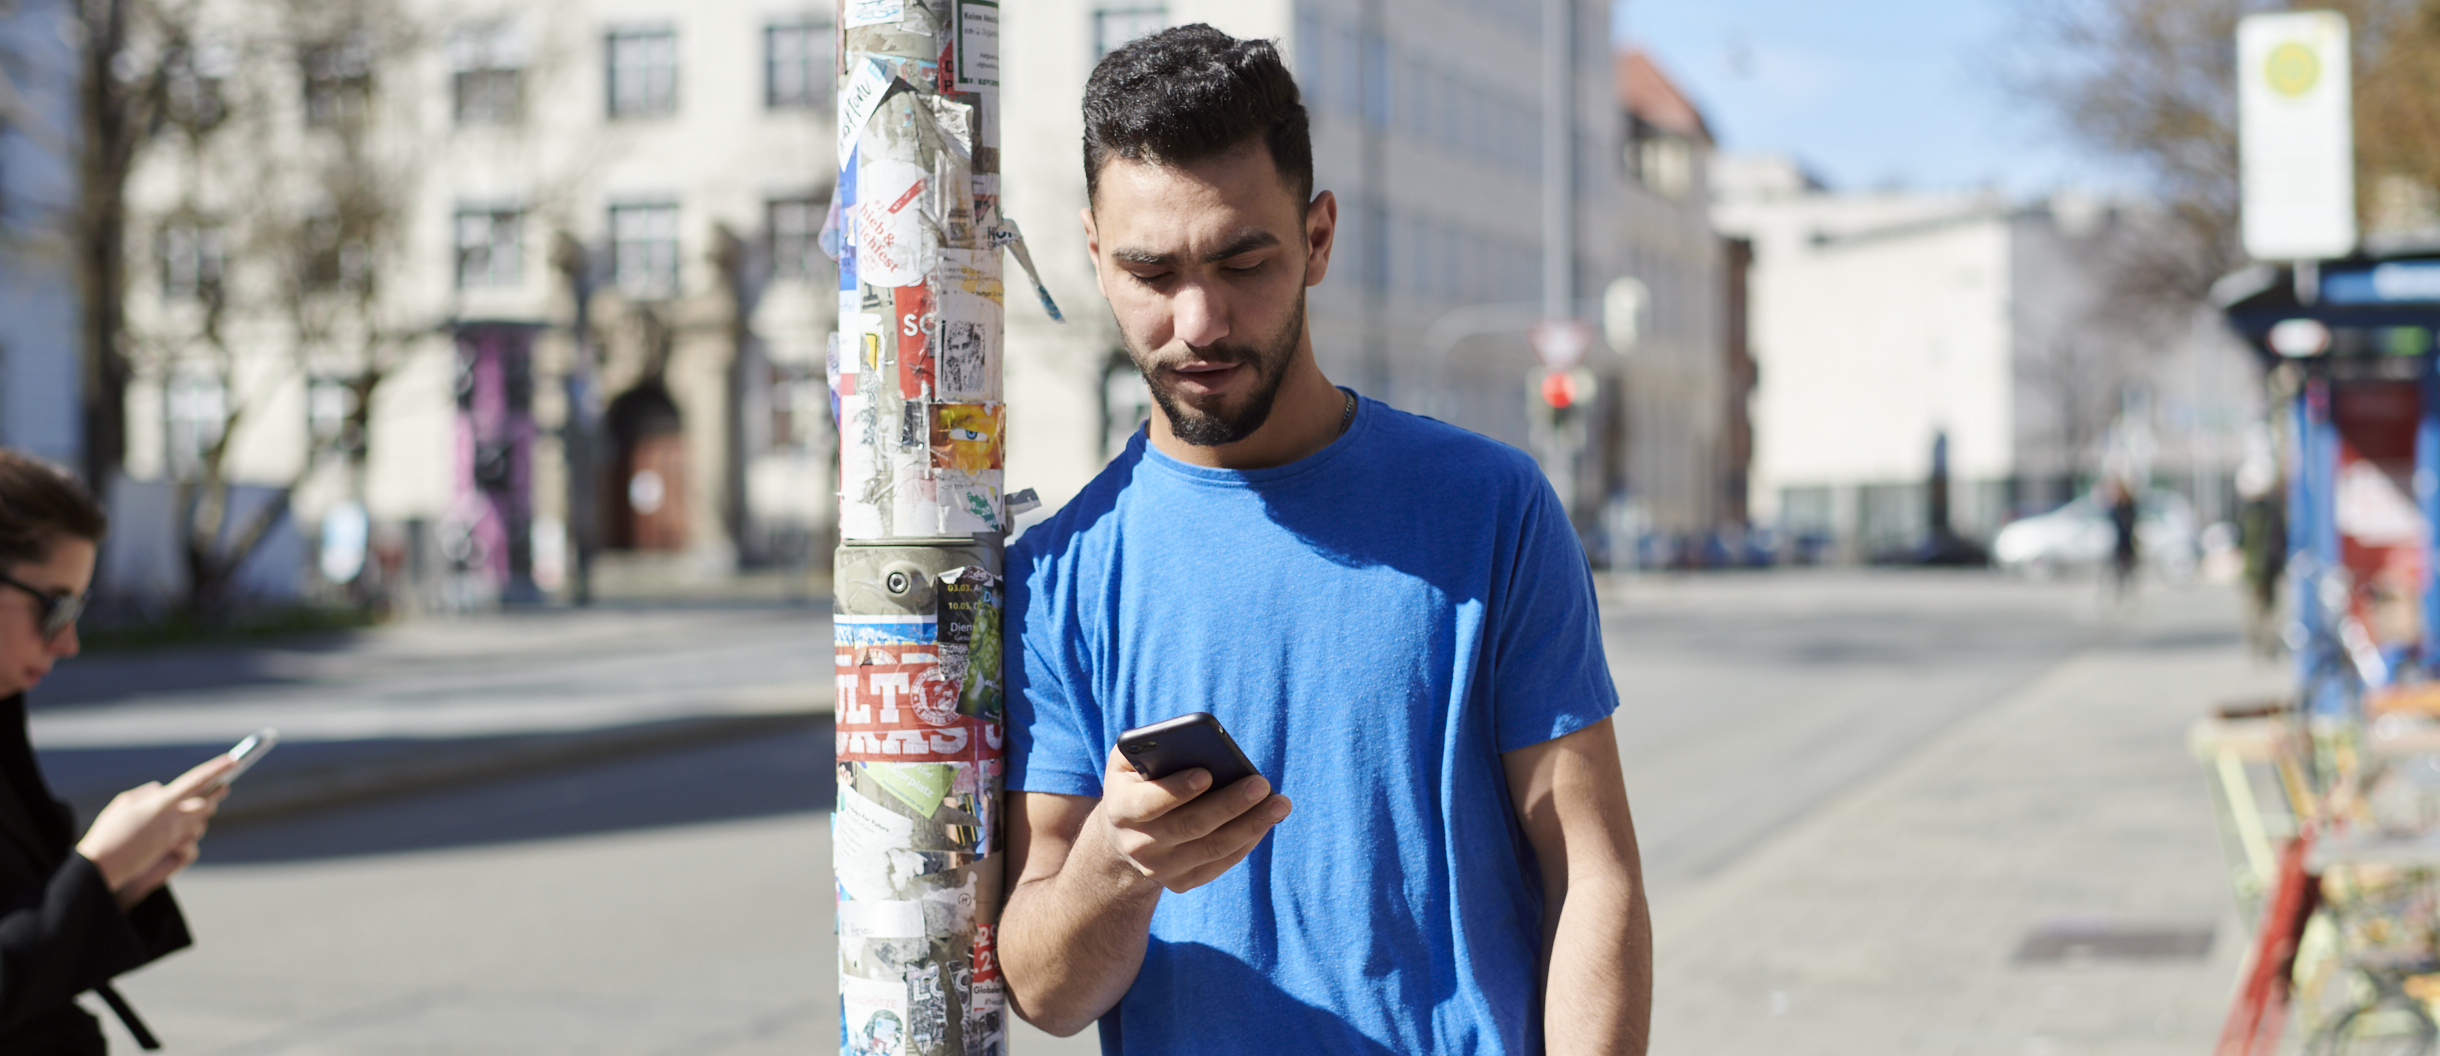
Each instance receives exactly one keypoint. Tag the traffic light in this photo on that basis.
(1560, 392)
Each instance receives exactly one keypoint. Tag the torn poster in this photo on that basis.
(966, 447)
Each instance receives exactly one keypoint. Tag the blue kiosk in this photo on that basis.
(2348, 345)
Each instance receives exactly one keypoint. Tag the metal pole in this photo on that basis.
(1558, 160)
(916, 844)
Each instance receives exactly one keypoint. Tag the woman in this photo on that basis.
(73, 912)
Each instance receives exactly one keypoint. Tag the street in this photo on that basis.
(1855, 792)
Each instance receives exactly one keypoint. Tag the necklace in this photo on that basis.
(1348, 417)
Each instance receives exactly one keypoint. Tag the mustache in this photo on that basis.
(1232, 353)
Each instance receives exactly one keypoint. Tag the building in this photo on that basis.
(1426, 127)
(1681, 480)
(513, 282)
(1888, 324)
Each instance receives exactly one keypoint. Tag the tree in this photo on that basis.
(2153, 84)
(291, 193)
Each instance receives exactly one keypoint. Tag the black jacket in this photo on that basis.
(61, 931)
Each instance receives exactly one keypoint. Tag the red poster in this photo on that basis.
(915, 321)
(895, 706)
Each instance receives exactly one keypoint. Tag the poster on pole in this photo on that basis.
(2295, 135)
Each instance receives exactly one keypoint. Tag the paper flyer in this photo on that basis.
(978, 45)
(874, 12)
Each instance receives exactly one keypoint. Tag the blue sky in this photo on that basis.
(1865, 92)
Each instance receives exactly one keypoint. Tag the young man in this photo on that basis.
(1391, 615)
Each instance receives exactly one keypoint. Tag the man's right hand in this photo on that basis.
(1176, 834)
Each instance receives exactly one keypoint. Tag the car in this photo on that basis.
(2078, 536)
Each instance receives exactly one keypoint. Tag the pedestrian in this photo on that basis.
(2262, 533)
(78, 911)
(2119, 500)
(1391, 615)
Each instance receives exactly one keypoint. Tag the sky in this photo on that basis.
(1866, 93)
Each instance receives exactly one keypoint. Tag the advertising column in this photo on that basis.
(915, 368)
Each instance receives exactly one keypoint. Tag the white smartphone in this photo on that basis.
(247, 753)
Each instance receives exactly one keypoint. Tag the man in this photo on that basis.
(1391, 615)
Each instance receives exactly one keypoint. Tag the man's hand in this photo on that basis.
(1089, 873)
(1174, 833)
(148, 833)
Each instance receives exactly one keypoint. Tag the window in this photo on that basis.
(331, 256)
(793, 395)
(797, 64)
(487, 74)
(330, 406)
(197, 409)
(487, 247)
(795, 225)
(338, 80)
(193, 255)
(643, 67)
(192, 80)
(1113, 27)
(644, 249)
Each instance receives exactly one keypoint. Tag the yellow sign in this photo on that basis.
(2293, 69)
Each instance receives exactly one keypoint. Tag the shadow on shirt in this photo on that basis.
(1218, 1003)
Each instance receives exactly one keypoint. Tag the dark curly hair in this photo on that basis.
(39, 504)
(1187, 94)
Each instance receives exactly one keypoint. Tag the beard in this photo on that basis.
(1207, 421)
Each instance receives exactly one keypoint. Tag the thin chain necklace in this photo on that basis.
(1348, 416)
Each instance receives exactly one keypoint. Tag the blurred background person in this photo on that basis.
(77, 911)
(2262, 532)
(2119, 499)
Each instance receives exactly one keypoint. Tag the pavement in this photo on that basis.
(429, 704)
(1890, 918)
(1859, 796)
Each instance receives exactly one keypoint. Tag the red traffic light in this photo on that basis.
(1559, 389)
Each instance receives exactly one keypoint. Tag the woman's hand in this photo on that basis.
(148, 833)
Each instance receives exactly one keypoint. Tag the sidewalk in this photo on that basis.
(1888, 922)
(435, 702)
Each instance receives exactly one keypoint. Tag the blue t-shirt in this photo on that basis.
(1374, 624)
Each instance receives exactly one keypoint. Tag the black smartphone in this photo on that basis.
(1184, 743)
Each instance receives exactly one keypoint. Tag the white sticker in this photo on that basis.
(891, 245)
(861, 920)
(978, 45)
(876, 12)
(874, 1014)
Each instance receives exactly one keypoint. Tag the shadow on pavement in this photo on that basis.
(770, 773)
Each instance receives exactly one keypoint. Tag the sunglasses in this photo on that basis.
(58, 612)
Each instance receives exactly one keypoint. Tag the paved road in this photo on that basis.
(678, 903)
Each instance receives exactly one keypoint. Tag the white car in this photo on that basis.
(2078, 536)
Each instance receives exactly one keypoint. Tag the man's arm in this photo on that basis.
(1571, 799)
(1090, 871)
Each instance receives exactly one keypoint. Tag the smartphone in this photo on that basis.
(247, 753)
(1184, 743)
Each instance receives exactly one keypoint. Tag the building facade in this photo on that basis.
(1889, 325)
(510, 283)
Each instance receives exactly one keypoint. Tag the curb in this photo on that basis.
(307, 789)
